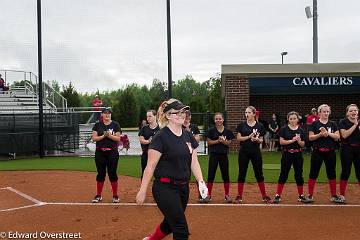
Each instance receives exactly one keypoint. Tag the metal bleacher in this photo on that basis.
(19, 119)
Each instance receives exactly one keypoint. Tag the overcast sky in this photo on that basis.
(106, 44)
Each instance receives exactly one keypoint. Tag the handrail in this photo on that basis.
(52, 97)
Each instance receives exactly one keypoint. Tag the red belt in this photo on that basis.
(174, 182)
(105, 149)
(292, 150)
(324, 149)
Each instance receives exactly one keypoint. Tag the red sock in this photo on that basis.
(114, 187)
(209, 186)
(262, 188)
(99, 187)
(280, 188)
(311, 186)
(300, 190)
(227, 188)
(158, 234)
(240, 188)
(343, 185)
(332, 184)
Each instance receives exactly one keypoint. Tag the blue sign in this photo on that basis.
(304, 85)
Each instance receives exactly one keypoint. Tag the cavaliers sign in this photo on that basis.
(322, 81)
(304, 85)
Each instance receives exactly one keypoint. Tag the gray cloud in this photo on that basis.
(106, 44)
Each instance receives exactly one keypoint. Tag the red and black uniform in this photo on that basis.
(291, 156)
(350, 153)
(172, 173)
(323, 151)
(218, 155)
(250, 151)
(106, 156)
(147, 133)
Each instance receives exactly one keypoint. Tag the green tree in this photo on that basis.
(71, 95)
(125, 109)
(216, 102)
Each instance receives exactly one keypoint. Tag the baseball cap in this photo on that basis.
(313, 110)
(106, 110)
(176, 105)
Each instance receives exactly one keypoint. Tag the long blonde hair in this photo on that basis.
(161, 115)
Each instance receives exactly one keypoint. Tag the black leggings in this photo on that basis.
(106, 160)
(317, 158)
(172, 201)
(297, 161)
(216, 159)
(256, 160)
(350, 155)
(144, 158)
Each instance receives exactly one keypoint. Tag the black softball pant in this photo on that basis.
(144, 158)
(296, 160)
(317, 158)
(106, 161)
(216, 159)
(172, 201)
(253, 155)
(349, 155)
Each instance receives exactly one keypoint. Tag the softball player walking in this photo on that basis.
(106, 134)
(172, 158)
(250, 134)
(350, 146)
(146, 134)
(218, 139)
(292, 141)
(323, 133)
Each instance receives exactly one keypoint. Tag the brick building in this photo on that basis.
(280, 88)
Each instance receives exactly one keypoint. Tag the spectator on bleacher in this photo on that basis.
(2, 84)
(96, 104)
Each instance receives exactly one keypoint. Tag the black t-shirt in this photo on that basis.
(274, 124)
(214, 134)
(100, 128)
(354, 137)
(323, 142)
(176, 154)
(193, 129)
(287, 134)
(147, 133)
(245, 130)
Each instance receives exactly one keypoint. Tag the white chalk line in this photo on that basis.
(25, 196)
(203, 205)
(36, 202)
(41, 203)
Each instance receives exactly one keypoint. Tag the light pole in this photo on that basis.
(40, 93)
(169, 48)
(314, 15)
(282, 57)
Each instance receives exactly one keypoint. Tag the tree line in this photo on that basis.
(130, 103)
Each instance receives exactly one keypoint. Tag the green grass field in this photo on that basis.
(130, 166)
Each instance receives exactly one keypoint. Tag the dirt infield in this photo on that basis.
(58, 201)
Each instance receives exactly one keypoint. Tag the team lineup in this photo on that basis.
(169, 143)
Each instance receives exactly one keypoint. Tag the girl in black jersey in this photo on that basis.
(146, 134)
(350, 146)
(323, 133)
(250, 134)
(218, 139)
(172, 157)
(106, 134)
(292, 141)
